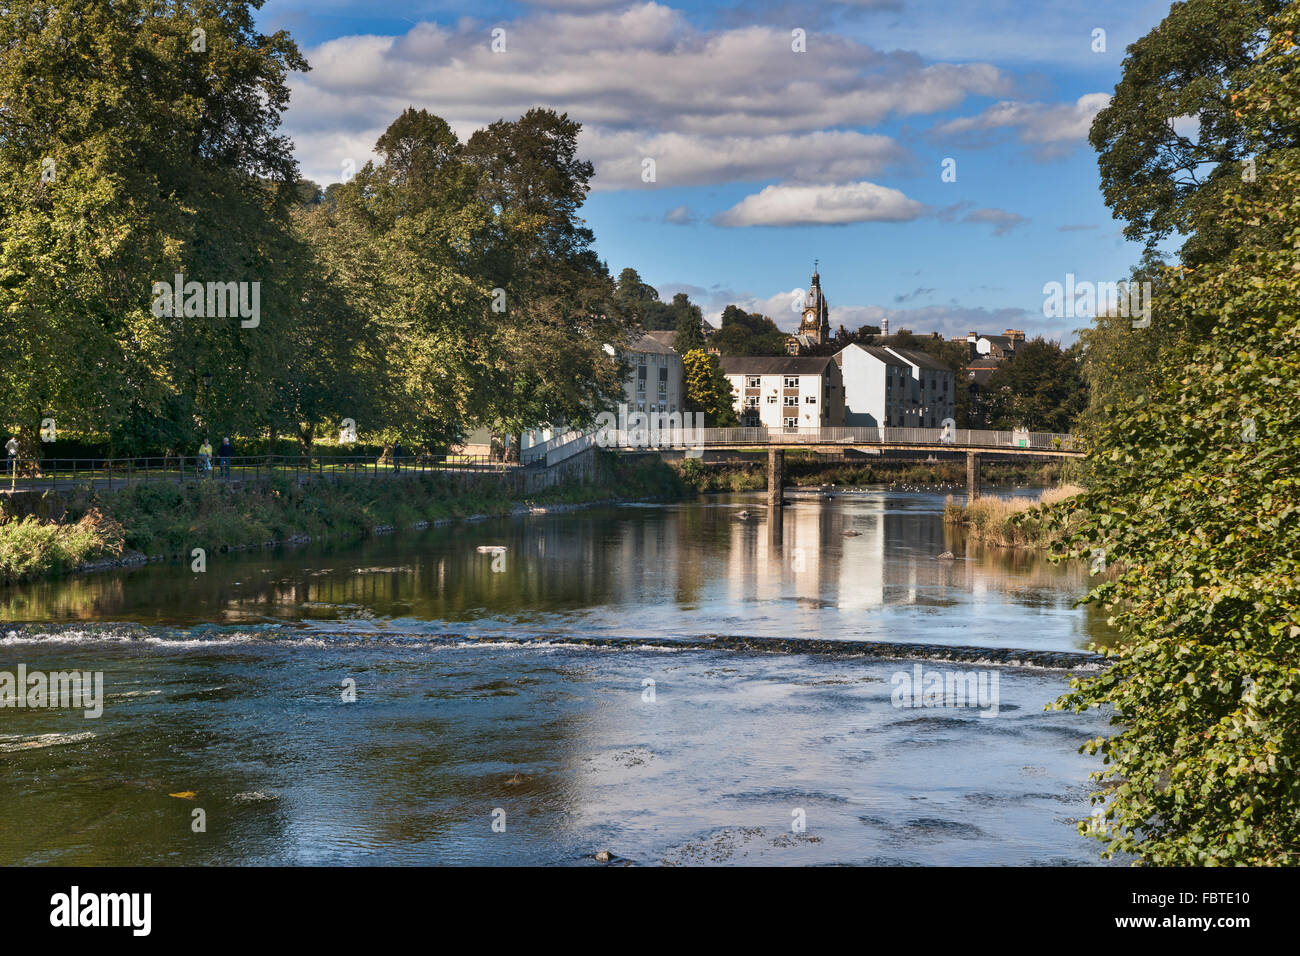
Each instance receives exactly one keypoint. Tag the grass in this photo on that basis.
(1009, 522)
(31, 548)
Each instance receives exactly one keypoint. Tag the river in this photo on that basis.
(413, 700)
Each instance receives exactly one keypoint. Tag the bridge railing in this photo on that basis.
(543, 450)
(937, 437)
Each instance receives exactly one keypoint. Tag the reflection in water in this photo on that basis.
(675, 570)
(229, 686)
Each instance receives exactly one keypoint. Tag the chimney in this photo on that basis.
(972, 336)
(884, 326)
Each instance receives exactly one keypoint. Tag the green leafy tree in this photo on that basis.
(748, 333)
(707, 389)
(130, 153)
(1193, 502)
(1041, 387)
(1172, 141)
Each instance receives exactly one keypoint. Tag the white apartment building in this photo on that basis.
(656, 381)
(894, 388)
(785, 392)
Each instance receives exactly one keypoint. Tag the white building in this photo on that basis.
(785, 392)
(656, 381)
(894, 388)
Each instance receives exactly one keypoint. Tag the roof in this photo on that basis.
(1002, 341)
(774, 365)
(923, 359)
(648, 343)
(663, 338)
(875, 351)
(892, 356)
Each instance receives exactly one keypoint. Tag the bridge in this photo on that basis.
(776, 441)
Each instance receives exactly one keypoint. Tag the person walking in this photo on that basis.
(224, 454)
(205, 458)
(398, 453)
(11, 455)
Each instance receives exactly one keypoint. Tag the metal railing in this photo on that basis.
(42, 473)
(544, 449)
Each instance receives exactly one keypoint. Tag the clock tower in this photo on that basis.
(816, 322)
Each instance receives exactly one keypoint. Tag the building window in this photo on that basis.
(751, 401)
(810, 400)
(641, 358)
(792, 381)
(791, 400)
(752, 381)
(771, 399)
(790, 422)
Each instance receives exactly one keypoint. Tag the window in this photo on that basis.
(771, 399)
(752, 381)
(791, 400)
(792, 381)
(663, 380)
(790, 422)
(751, 401)
(641, 358)
(810, 400)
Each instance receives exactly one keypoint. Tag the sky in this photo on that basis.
(931, 156)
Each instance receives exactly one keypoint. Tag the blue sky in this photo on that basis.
(766, 157)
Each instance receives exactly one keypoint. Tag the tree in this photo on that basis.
(548, 355)
(127, 155)
(748, 333)
(634, 300)
(707, 389)
(1040, 387)
(1192, 500)
(1172, 142)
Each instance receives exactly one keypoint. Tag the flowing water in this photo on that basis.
(415, 700)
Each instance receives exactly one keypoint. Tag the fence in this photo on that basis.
(52, 473)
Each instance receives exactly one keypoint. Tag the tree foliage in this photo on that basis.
(1041, 387)
(707, 389)
(1172, 141)
(1193, 500)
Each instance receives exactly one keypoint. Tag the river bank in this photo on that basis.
(93, 530)
(806, 469)
(1013, 522)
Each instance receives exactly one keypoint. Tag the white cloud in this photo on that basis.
(1050, 126)
(791, 205)
(710, 105)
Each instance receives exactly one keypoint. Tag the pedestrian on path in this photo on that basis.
(224, 454)
(205, 458)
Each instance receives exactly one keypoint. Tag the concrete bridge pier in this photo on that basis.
(972, 476)
(775, 476)
(775, 484)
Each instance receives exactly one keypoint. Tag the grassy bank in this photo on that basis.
(165, 520)
(802, 470)
(1010, 522)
